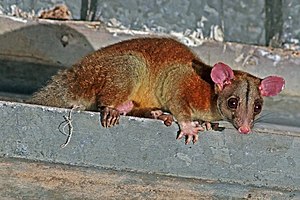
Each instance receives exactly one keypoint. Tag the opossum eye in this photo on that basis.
(257, 107)
(232, 103)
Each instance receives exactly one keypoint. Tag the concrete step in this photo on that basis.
(267, 158)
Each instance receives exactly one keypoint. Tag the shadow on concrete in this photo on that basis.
(29, 56)
(24, 77)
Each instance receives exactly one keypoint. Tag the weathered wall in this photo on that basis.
(241, 20)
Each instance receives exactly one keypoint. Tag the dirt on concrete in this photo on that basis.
(35, 180)
(23, 179)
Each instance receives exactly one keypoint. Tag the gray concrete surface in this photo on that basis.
(20, 179)
(269, 157)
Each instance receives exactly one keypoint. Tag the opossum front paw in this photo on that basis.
(207, 126)
(109, 117)
(190, 131)
(210, 126)
(166, 118)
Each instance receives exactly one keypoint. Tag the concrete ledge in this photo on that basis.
(269, 157)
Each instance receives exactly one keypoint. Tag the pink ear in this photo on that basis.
(271, 85)
(221, 74)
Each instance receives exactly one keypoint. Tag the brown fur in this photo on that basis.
(245, 111)
(151, 72)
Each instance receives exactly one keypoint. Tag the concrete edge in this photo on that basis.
(266, 158)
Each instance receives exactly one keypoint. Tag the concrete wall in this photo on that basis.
(240, 20)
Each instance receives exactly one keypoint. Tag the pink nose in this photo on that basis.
(244, 129)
